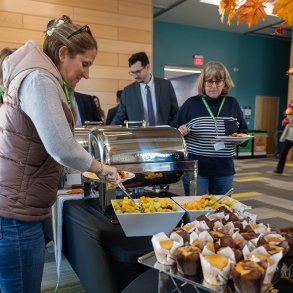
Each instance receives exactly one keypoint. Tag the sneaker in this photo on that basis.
(275, 172)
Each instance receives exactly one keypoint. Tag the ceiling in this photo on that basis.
(195, 13)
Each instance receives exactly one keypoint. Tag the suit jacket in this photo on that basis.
(111, 114)
(131, 104)
(86, 107)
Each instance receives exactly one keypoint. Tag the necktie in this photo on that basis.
(151, 114)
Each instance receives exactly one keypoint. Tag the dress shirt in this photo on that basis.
(78, 121)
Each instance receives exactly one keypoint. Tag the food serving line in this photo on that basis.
(95, 246)
(158, 157)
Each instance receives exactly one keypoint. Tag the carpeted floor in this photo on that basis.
(269, 195)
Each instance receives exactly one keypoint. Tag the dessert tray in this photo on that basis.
(150, 260)
(221, 251)
(198, 282)
(125, 175)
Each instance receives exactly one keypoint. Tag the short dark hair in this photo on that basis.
(140, 56)
(118, 95)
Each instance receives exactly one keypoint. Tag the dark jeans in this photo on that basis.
(216, 185)
(186, 183)
(282, 160)
(22, 256)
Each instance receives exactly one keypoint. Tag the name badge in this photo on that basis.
(219, 145)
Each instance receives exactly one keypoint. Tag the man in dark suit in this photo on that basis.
(148, 98)
(112, 112)
(86, 107)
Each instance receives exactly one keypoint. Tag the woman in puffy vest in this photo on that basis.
(36, 138)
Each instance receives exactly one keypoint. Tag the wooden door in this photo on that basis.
(266, 118)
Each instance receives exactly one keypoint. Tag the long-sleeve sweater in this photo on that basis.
(49, 119)
(201, 139)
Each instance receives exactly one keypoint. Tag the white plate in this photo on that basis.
(94, 177)
(233, 138)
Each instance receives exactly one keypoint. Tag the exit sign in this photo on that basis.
(198, 60)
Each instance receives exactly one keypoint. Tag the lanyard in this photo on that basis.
(215, 119)
(67, 95)
(1, 95)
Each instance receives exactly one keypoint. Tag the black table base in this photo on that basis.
(102, 256)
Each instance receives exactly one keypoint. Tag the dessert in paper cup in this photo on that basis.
(218, 216)
(260, 228)
(180, 232)
(164, 248)
(216, 268)
(197, 226)
(200, 239)
(270, 262)
(274, 239)
(273, 242)
(188, 260)
(248, 276)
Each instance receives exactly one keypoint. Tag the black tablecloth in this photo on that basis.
(102, 256)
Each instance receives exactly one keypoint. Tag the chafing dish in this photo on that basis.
(157, 155)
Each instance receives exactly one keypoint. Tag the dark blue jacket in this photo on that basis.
(86, 107)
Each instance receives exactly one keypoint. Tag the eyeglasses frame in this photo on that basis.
(210, 83)
(137, 72)
(82, 29)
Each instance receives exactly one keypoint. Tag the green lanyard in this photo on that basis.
(67, 95)
(215, 119)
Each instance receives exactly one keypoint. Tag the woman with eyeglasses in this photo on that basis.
(201, 119)
(36, 121)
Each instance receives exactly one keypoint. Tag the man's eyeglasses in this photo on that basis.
(210, 82)
(84, 28)
(136, 72)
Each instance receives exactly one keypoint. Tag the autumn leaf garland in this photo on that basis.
(252, 11)
(284, 9)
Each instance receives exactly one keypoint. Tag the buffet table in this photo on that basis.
(102, 256)
(106, 260)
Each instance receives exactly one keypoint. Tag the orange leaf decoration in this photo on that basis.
(229, 7)
(284, 9)
(251, 12)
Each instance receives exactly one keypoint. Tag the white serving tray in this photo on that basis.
(148, 224)
(181, 200)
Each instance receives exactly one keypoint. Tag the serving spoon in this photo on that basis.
(122, 187)
(228, 193)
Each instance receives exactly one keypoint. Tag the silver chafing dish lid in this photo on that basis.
(137, 145)
(157, 155)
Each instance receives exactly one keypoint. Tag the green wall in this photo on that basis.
(262, 61)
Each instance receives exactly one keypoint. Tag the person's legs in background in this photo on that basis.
(203, 183)
(22, 254)
(282, 160)
(186, 183)
(219, 185)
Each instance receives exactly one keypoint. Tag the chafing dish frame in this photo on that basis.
(108, 191)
